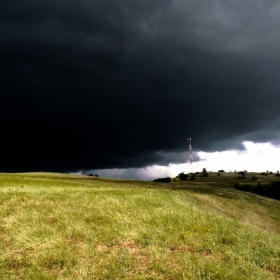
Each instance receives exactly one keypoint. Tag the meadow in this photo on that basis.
(63, 226)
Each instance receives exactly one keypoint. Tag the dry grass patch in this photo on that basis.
(74, 227)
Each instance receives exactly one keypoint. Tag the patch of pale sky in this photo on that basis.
(256, 157)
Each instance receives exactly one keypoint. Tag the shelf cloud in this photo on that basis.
(98, 85)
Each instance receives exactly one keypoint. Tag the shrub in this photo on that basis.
(204, 173)
(163, 180)
(242, 173)
(271, 190)
(192, 177)
(183, 176)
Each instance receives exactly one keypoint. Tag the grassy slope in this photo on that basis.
(56, 226)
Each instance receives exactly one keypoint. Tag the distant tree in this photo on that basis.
(220, 171)
(192, 177)
(183, 176)
(163, 180)
(242, 173)
(204, 173)
(178, 176)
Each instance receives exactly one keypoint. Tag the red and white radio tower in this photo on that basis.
(190, 151)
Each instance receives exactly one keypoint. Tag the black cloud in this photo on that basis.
(102, 84)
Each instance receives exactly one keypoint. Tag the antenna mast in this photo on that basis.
(190, 152)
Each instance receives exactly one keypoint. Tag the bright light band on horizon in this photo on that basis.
(257, 157)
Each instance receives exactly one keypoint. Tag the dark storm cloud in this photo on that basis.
(103, 84)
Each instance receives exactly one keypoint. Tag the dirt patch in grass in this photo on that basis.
(205, 254)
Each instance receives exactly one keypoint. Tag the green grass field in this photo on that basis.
(58, 226)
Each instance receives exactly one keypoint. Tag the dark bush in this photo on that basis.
(221, 170)
(271, 190)
(192, 177)
(90, 174)
(163, 180)
(183, 176)
(204, 173)
(242, 173)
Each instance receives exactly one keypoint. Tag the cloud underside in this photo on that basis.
(123, 84)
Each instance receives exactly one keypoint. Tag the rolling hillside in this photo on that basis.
(59, 226)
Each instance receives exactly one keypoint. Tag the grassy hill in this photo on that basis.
(57, 226)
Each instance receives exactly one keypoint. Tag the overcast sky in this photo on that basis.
(96, 85)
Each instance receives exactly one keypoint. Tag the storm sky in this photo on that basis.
(92, 85)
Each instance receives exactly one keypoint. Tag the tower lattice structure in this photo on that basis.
(190, 154)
